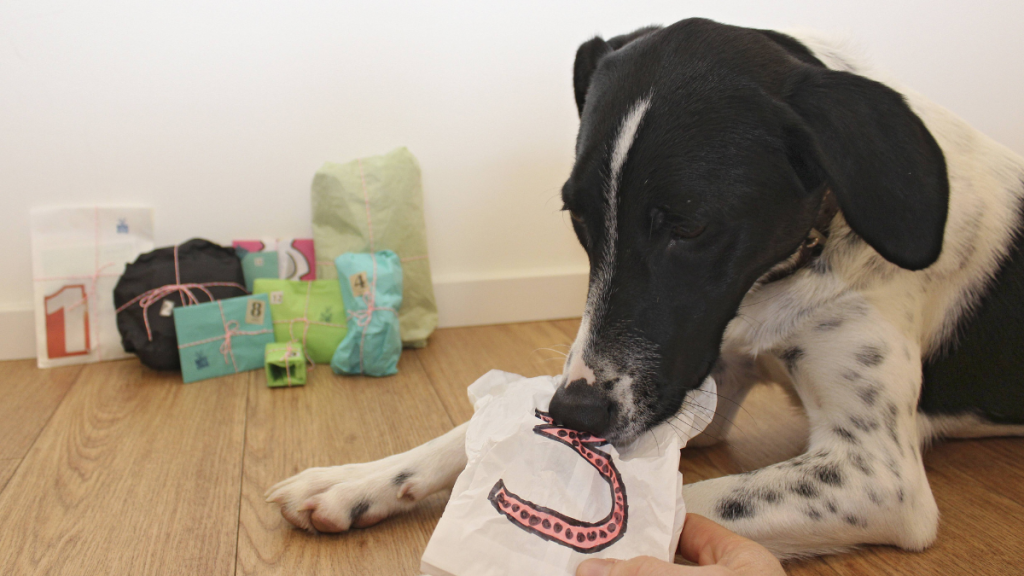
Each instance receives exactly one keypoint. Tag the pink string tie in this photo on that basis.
(93, 280)
(150, 297)
(230, 330)
(363, 318)
(288, 354)
(307, 323)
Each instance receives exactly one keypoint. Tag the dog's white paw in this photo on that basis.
(337, 498)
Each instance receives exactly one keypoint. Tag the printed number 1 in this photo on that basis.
(67, 322)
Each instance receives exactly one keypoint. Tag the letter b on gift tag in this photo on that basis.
(254, 310)
(360, 284)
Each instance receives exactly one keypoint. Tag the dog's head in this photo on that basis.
(703, 155)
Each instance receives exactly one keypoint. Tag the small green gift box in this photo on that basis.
(286, 364)
(310, 313)
(223, 337)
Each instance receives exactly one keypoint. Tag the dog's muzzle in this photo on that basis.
(582, 406)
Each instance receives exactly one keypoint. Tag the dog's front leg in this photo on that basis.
(336, 498)
(862, 479)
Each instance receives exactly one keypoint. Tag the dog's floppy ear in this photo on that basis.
(590, 54)
(587, 57)
(879, 159)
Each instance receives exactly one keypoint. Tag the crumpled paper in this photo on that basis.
(529, 492)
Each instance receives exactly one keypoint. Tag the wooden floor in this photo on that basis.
(115, 469)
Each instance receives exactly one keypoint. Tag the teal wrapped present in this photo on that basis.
(257, 265)
(371, 286)
(223, 337)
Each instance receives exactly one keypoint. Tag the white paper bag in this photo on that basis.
(78, 254)
(536, 499)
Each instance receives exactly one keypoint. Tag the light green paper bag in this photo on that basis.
(311, 313)
(373, 204)
(286, 365)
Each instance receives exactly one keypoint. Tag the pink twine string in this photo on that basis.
(366, 198)
(93, 280)
(150, 297)
(230, 330)
(288, 353)
(364, 317)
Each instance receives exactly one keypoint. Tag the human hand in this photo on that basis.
(716, 550)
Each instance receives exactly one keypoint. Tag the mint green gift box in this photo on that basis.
(223, 337)
(257, 265)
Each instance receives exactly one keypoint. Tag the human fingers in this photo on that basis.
(641, 566)
(706, 542)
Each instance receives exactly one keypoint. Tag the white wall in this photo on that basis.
(218, 112)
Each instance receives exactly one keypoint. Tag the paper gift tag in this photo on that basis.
(538, 499)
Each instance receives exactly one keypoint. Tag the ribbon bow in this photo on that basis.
(150, 297)
(307, 322)
(230, 330)
(362, 318)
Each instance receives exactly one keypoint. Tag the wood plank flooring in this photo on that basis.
(114, 469)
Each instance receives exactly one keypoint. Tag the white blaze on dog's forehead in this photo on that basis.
(623, 142)
(598, 293)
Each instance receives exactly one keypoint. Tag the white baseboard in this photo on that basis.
(503, 300)
(460, 302)
(17, 332)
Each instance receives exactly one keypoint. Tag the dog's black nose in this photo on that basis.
(582, 407)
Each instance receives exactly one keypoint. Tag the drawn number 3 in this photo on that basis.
(67, 322)
(551, 525)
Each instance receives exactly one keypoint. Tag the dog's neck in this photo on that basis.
(812, 246)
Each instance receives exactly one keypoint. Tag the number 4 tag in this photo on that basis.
(360, 284)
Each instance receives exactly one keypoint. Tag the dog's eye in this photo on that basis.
(687, 231)
(576, 217)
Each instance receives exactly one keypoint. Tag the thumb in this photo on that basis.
(640, 566)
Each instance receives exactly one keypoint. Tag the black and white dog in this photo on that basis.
(756, 204)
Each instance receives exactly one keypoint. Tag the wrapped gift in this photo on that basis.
(223, 337)
(160, 282)
(78, 255)
(375, 204)
(371, 285)
(286, 364)
(295, 256)
(310, 313)
(257, 265)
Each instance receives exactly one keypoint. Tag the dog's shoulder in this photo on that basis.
(972, 323)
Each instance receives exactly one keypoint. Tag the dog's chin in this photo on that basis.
(624, 434)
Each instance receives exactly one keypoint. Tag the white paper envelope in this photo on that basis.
(78, 255)
(537, 499)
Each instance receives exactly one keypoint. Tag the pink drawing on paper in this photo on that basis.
(551, 525)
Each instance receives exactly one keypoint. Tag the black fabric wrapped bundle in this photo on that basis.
(161, 280)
